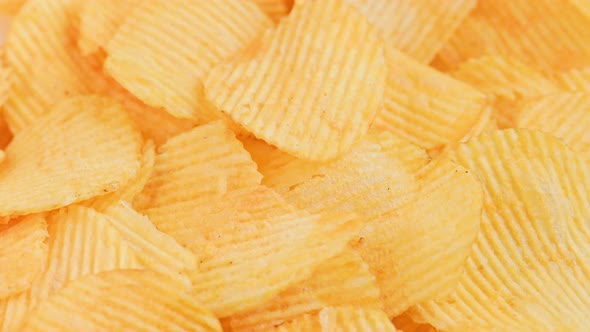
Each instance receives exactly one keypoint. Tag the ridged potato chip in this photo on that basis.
(529, 269)
(206, 160)
(547, 34)
(86, 146)
(275, 9)
(156, 250)
(266, 156)
(424, 106)
(573, 80)
(564, 114)
(313, 103)
(124, 300)
(243, 236)
(5, 78)
(506, 80)
(404, 323)
(23, 253)
(418, 28)
(179, 40)
(81, 242)
(344, 280)
(340, 319)
(10, 7)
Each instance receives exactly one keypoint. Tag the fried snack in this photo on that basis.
(313, 103)
(506, 80)
(549, 35)
(275, 9)
(564, 114)
(81, 242)
(131, 300)
(10, 7)
(426, 107)
(100, 20)
(23, 253)
(419, 28)
(179, 41)
(266, 156)
(573, 80)
(156, 250)
(207, 160)
(528, 269)
(404, 323)
(344, 280)
(341, 319)
(85, 147)
(5, 78)
(243, 236)
(5, 133)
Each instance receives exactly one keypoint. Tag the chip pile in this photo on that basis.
(306, 165)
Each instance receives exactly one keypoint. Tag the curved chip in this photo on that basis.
(10, 7)
(344, 280)
(313, 103)
(23, 253)
(404, 323)
(275, 9)
(426, 107)
(5, 133)
(81, 242)
(344, 319)
(129, 300)
(85, 147)
(549, 35)
(179, 41)
(508, 81)
(529, 268)
(573, 80)
(418, 28)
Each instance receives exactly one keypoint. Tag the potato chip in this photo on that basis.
(507, 80)
(85, 147)
(157, 251)
(404, 323)
(100, 20)
(5, 79)
(179, 41)
(22, 254)
(275, 9)
(5, 133)
(341, 319)
(529, 268)
(418, 28)
(266, 156)
(243, 236)
(206, 160)
(563, 114)
(81, 242)
(547, 34)
(424, 106)
(574, 80)
(130, 300)
(10, 7)
(313, 103)
(343, 280)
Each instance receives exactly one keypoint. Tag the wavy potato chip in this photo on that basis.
(266, 156)
(506, 80)
(275, 9)
(206, 160)
(573, 80)
(341, 319)
(529, 268)
(344, 280)
(179, 40)
(424, 106)
(404, 323)
(547, 34)
(418, 28)
(81, 242)
(130, 300)
(313, 103)
(243, 236)
(23, 253)
(10, 7)
(85, 147)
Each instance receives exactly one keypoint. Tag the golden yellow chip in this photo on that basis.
(23, 253)
(418, 28)
(85, 147)
(206, 160)
(129, 300)
(424, 106)
(5, 78)
(547, 34)
(243, 236)
(344, 280)
(100, 20)
(340, 319)
(528, 269)
(5, 133)
(317, 101)
(506, 80)
(266, 156)
(404, 323)
(564, 114)
(275, 9)
(179, 41)
(574, 80)
(156, 250)
(81, 242)
(10, 7)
